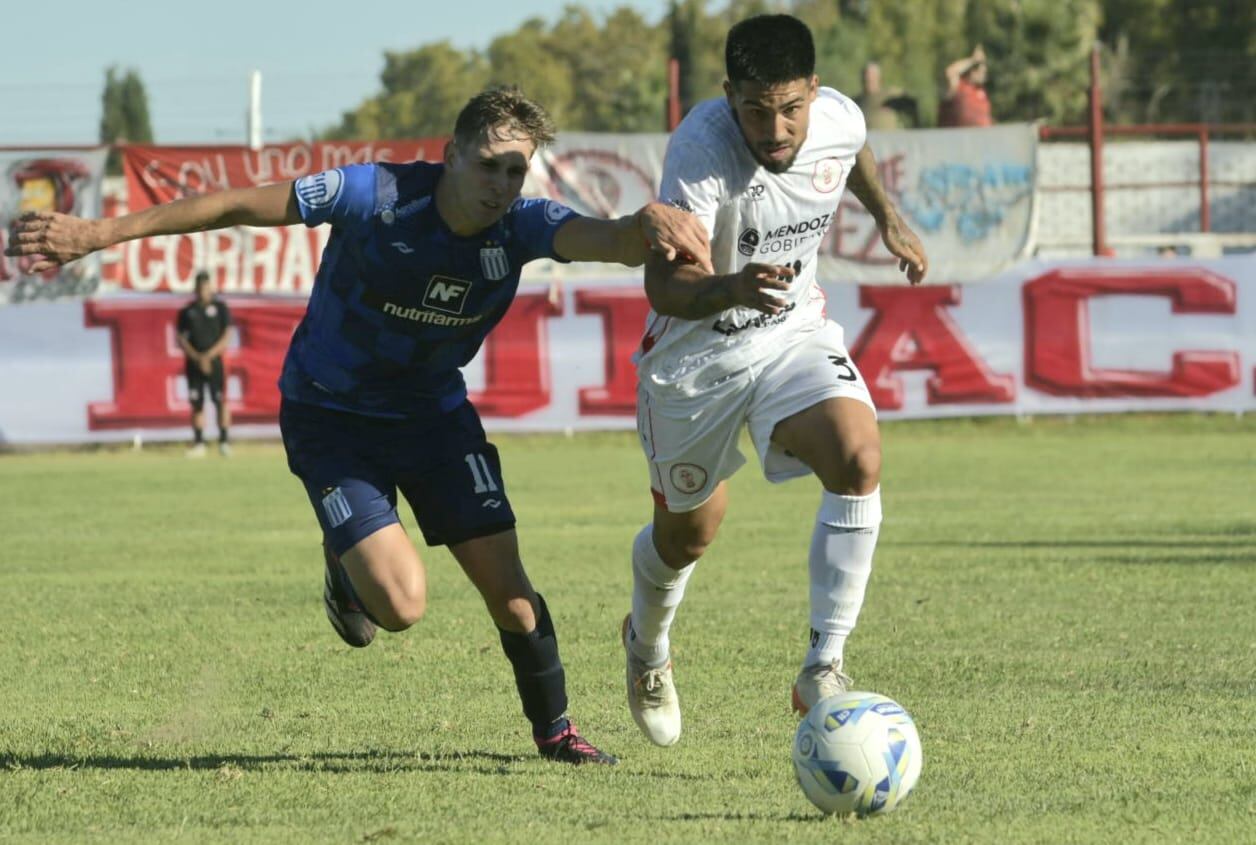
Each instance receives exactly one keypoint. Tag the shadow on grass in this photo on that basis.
(805, 818)
(484, 762)
(374, 762)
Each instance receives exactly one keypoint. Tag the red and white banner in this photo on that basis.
(66, 181)
(243, 260)
(968, 193)
(1043, 338)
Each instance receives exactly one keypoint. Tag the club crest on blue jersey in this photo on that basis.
(493, 263)
(319, 190)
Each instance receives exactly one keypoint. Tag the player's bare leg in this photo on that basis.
(663, 557)
(838, 438)
(528, 639)
(383, 584)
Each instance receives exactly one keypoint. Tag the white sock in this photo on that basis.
(657, 590)
(841, 561)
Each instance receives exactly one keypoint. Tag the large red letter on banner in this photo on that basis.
(147, 362)
(516, 359)
(264, 331)
(911, 330)
(1057, 332)
(623, 319)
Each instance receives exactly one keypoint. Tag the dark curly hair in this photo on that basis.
(769, 49)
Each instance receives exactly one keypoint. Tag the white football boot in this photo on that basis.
(818, 681)
(651, 696)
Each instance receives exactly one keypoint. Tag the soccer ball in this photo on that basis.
(857, 752)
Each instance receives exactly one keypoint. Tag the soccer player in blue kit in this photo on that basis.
(422, 262)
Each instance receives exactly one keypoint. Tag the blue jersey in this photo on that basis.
(401, 302)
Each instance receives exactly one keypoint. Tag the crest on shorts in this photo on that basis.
(688, 478)
(493, 263)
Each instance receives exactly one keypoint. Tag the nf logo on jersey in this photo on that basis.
(688, 478)
(320, 189)
(755, 192)
(748, 242)
(493, 263)
(446, 294)
(401, 247)
(681, 203)
(827, 175)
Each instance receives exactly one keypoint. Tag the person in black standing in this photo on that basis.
(204, 330)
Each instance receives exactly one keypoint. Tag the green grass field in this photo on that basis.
(1067, 609)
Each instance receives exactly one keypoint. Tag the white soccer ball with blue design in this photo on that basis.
(857, 752)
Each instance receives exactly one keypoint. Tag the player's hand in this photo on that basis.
(206, 365)
(903, 244)
(676, 233)
(55, 238)
(755, 286)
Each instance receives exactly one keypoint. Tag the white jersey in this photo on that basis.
(751, 215)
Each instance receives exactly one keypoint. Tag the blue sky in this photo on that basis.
(317, 61)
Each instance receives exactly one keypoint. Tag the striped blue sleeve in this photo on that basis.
(343, 197)
(536, 222)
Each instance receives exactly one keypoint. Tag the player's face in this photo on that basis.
(486, 177)
(773, 118)
(205, 292)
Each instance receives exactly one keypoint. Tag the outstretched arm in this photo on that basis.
(685, 290)
(61, 238)
(898, 237)
(655, 228)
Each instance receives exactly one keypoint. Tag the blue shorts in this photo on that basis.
(353, 465)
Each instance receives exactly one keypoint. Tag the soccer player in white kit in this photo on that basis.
(763, 168)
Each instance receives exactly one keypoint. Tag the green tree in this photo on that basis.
(526, 57)
(697, 43)
(424, 90)
(1038, 55)
(124, 114)
(1172, 60)
(618, 71)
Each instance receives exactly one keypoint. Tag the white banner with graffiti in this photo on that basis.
(67, 181)
(968, 193)
(1077, 337)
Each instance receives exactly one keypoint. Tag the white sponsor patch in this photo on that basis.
(554, 211)
(320, 189)
(336, 506)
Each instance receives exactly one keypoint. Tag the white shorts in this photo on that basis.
(691, 442)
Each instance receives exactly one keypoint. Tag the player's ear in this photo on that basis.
(450, 147)
(728, 91)
(813, 88)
